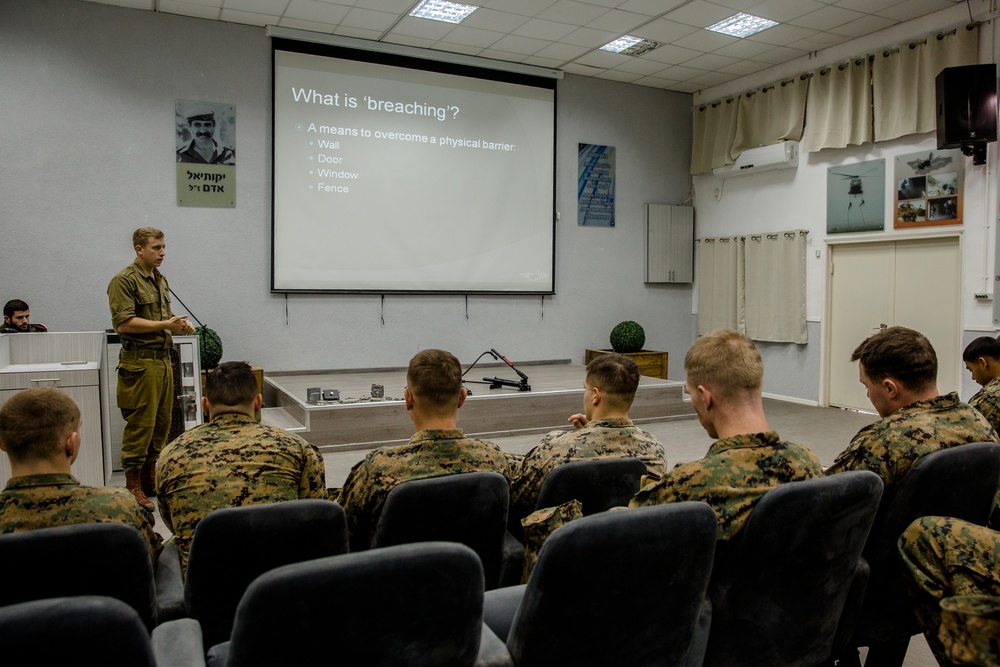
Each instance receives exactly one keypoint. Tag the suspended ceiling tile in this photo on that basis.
(662, 30)
(827, 18)
(572, 12)
(542, 29)
(312, 10)
(700, 14)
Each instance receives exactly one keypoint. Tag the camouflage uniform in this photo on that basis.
(894, 443)
(948, 557)
(230, 462)
(600, 439)
(735, 473)
(145, 390)
(987, 401)
(430, 453)
(57, 499)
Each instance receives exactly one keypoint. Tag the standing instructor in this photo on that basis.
(140, 313)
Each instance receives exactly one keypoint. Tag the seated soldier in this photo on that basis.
(232, 460)
(982, 358)
(40, 432)
(948, 557)
(17, 319)
(725, 377)
(898, 366)
(433, 395)
(604, 430)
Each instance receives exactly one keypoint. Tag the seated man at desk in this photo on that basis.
(433, 395)
(40, 432)
(725, 376)
(604, 430)
(17, 319)
(232, 460)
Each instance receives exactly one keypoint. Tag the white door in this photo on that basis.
(912, 283)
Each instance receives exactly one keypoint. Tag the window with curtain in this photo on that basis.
(776, 113)
(720, 284)
(903, 81)
(713, 129)
(755, 284)
(839, 111)
(891, 97)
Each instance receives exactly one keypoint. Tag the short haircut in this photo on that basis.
(13, 306)
(434, 377)
(984, 346)
(231, 383)
(34, 423)
(900, 353)
(615, 375)
(142, 236)
(727, 362)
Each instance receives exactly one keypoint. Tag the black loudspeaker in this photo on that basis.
(966, 105)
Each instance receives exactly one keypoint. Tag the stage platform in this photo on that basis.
(556, 393)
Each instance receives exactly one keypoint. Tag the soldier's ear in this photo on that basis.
(72, 446)
(891, 387)
(462, 395)
(205, 407)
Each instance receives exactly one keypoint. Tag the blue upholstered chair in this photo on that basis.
(109, 559)
(778, 589)
(469, 508)
(615, 588)
(233, 546)
(418, 605)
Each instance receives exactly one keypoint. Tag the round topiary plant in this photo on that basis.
(627, 336)
(210, 346)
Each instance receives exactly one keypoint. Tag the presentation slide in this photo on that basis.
(392, 179)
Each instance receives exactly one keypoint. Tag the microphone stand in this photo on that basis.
(496, 383)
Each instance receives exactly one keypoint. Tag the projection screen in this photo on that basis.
(396, 175)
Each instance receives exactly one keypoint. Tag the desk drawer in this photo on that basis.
(61, 378)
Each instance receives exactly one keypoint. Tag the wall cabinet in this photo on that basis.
(71, 362)
(669, 243)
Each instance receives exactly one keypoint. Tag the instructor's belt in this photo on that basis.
(143, 354)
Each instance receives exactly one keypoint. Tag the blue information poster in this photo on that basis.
(596, 186)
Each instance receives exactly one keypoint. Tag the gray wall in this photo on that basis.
(88, 96)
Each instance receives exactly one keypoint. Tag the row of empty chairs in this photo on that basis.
(624, 587)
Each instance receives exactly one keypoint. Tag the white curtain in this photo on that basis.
(754, 284)
(903, 81)
(839, 111)
(713, 130)
(775, 113)
(775, 287)
(720, 284)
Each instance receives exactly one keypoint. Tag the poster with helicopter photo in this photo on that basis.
(855, 197)
(929, 189)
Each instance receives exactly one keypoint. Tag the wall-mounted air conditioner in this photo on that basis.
(783, 155)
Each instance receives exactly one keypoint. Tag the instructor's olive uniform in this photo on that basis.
(145, 378)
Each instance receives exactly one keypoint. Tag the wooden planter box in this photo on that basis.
(651, 363)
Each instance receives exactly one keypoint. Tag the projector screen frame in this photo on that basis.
(389, 55)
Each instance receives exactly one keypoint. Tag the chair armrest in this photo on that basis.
(492, 651)
(499, 607)
(169, 582)
(699, 640)
(178, 644)
(511, 561)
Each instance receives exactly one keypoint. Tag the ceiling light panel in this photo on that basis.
(742, 25)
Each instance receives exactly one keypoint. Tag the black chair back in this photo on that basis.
(469, 508)
(599, 484)
(415, 604)
(84, 630)
(110, 559)
(778, 593)
(617, 588)
(958, 482)
(233, 546)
